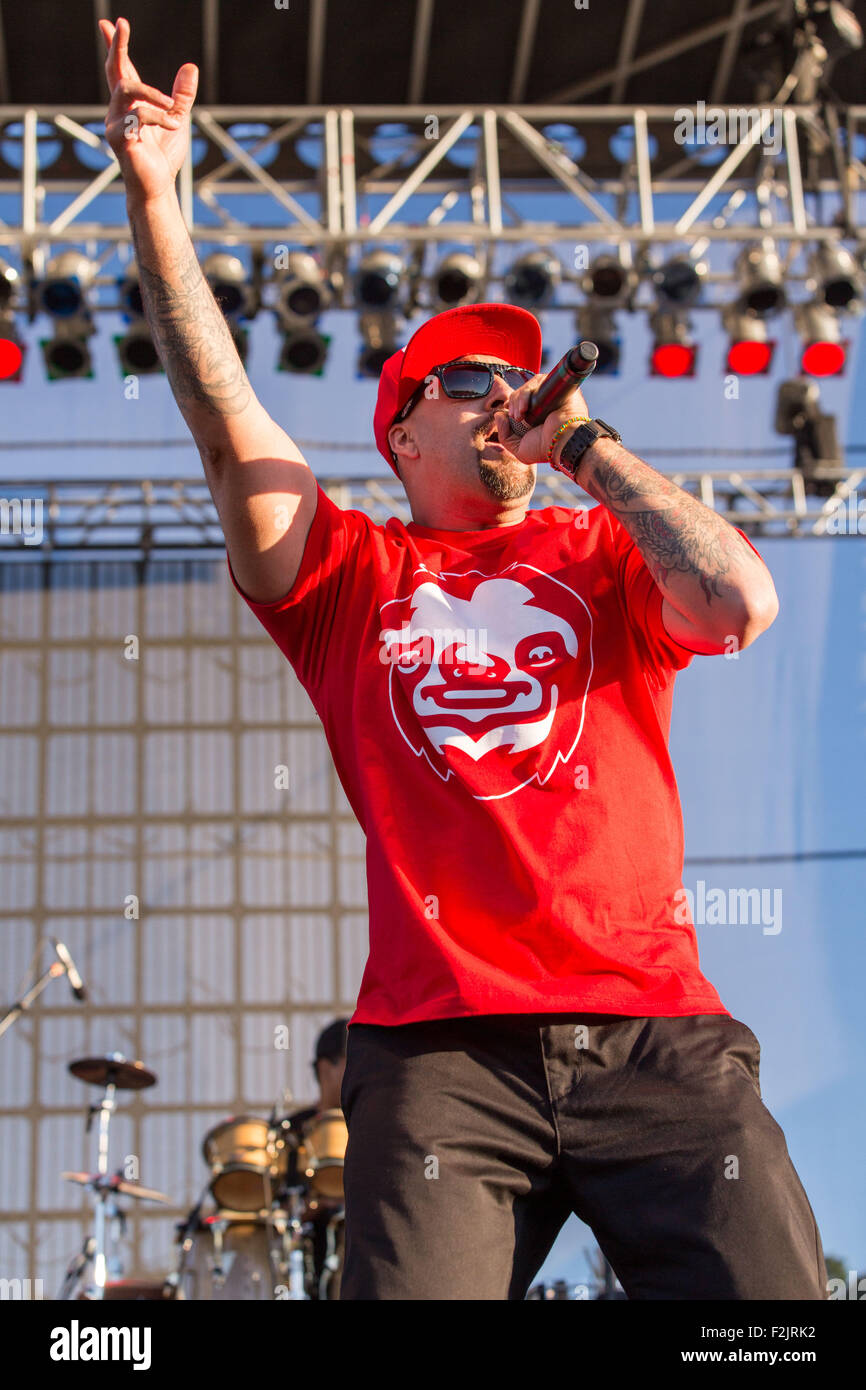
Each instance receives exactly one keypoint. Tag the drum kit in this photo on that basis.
(269, 1223)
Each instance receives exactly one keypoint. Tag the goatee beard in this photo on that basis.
(504, 483)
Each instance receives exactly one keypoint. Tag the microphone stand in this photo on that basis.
(54, 971)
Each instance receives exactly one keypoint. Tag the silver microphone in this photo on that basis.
(572, 370)
(72, 975)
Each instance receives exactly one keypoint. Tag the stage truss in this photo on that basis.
(331, 193)
(142, 515)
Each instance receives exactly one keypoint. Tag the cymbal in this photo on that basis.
(114, 1070)
(113, 1183)
(135, 1289)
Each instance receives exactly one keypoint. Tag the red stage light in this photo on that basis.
(673, 359)
(750, 358)
(11, 358)
(823, 359)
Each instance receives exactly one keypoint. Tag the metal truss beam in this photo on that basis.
(144, 515)
(342, 203)
(674, 48)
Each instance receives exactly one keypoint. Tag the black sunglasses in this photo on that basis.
(466, 381)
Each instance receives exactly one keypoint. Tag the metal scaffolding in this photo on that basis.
(334, 192)
(144, 515)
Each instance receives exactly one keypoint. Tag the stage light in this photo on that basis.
(11, 349)
(227, 277)
(532, 280)
(11, 343)
(302, 290)
(129, 290)
(598, 326)
(680, 281)
(607, 279)
(380, 334)
(136, 350)
(457, 280)
(303, 350)
(67, 354)
(63, 294)
(674, 352)
(835, 26)
(798, 413)
(303, 294)
(379, 280)
(750, 351)
(8, 285)
(63, 291)
(761, 276)
(796, 401)
(824, 352)
(835, 276)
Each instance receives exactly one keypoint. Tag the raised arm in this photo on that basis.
(260, 482)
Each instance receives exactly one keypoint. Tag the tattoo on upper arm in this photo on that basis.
(193, 339)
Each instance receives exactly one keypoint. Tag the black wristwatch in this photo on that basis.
(577, 444)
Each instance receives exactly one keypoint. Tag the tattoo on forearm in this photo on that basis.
(193, 339)
(677, 533)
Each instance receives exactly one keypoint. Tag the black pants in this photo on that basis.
(472, 1140)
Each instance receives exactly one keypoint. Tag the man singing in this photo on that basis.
(533, 1035)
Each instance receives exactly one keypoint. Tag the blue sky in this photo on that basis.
(769, 750)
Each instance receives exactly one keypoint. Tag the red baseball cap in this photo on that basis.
(500, 330)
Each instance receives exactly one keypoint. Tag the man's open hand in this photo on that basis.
(148, 131)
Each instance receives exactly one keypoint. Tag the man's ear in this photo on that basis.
(400, 436)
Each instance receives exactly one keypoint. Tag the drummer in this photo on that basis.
(330, 1063)
(328, 1066)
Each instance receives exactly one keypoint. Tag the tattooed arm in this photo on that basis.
(714, 586)
(191, 335)
(263, 490)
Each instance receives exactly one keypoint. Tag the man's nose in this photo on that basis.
(498, 395)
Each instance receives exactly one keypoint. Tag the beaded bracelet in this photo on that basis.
(573, 421)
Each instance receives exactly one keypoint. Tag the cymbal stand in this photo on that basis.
(186, 1231)
(292, 1267)
(76, 1267)
(104, 1109)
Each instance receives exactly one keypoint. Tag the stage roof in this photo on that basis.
(419, 52)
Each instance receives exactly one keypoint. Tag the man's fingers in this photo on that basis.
(121, 34)
(519, 399)
(118, 64)
(126, 95)
(185, 87)
(140, 91)
(504, 428)
(130, 122)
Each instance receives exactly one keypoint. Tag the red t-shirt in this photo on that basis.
(497, 704)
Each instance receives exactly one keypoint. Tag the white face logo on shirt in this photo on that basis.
(489, 668)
